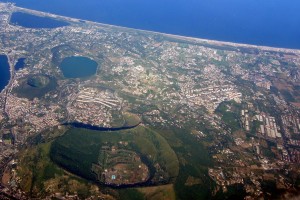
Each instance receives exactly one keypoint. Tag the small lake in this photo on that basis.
(33, 21)
(78, 67)
(20, 64)
(97, 128)
(5, 72)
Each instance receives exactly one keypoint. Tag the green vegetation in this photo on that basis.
(38, 81)
(39, 176)
(230, 114)
(117, 119)
(36, 168)
(78, 149)
(59, 51)
(131, 119)
(131, 194)
(125, 166)
(255, 126)
(268, 153)
(125, 119)
(35, 86)
(161, 192)
(194, 160)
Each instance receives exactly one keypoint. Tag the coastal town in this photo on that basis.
(240, 102)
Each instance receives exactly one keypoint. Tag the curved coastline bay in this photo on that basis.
(5, 71)
(32, 21)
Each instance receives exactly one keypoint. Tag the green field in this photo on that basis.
(230, 116)
(35, 86)
(131, 119)
(194, 160)
(78, 149)
(39, 176)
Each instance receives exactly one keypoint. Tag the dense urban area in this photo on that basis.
(182, 118)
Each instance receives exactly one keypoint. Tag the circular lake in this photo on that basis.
(78, 67)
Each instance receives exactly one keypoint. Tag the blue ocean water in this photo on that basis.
(4, 71)
(262, 22)
(32, 21)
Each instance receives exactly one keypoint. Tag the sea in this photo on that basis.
(274, 23)
(4, 72)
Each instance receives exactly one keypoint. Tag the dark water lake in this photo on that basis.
(5, 72)
(32, 21)
(261, 22)
(20, 63)
(78, 67)
(96, 128)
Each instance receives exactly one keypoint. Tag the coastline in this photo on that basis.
(186, 38)
(11, 71)
(199, 41)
